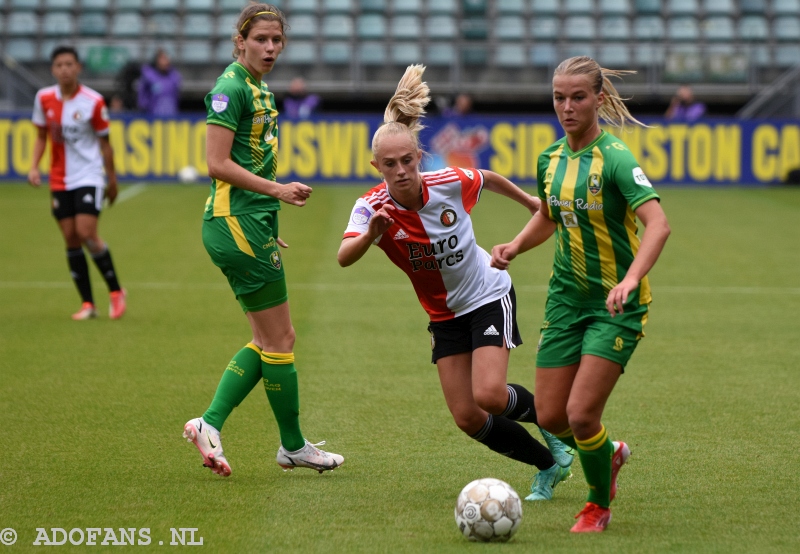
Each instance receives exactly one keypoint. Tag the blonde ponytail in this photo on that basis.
(405, 108)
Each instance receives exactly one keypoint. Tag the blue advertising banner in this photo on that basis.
(337, 149)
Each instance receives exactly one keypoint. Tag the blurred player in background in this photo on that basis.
(422, 222)
(76, 119)
(240, 233)
(592, 190)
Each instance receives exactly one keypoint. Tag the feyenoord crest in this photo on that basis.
(275, 259)
(77, 116)
(448, 217)
(595, 183)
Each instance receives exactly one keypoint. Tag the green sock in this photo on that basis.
(280, 382)
(568, 438)
(595, 454)
(241, 375)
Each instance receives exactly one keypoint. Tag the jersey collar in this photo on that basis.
(586, 148)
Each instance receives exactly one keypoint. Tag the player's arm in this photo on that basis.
(497, 183)
(353, 249)
(108, 163)
(39, 144)
(219, 141)
(656, 232)
(537, 231)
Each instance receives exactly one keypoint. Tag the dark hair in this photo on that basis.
(64, 49)
(252, 13)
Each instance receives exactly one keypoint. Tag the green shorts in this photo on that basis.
(569, 332)
(245, 248)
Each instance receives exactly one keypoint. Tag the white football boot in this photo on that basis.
(309, 456)
(206, 439)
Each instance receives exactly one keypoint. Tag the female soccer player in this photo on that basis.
(422, 222)
(76, 119)
(592, 190)
(240, 233)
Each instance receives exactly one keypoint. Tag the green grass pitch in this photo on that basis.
(92, 412)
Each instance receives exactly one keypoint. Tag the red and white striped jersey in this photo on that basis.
(436, 246)
(73, 126)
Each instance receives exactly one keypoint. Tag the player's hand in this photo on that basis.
(280, 242)
(294, 193)
(34, 177)
(502, 254)
(112, 191)
(535, 204)
(619, 295)
(380, 222)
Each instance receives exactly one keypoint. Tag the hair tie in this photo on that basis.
(256, 15)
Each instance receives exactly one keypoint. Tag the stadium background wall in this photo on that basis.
(337, 148)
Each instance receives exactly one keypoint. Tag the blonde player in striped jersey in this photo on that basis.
(422, 222)
(592, 190)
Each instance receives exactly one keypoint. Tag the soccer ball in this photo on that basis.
(188, 174)
(488, 510)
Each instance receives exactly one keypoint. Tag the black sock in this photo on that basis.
(510, 439)
(79, 270)
(520, 404)
(106, 267)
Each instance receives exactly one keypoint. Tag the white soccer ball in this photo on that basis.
(188, 174)
(488, 510)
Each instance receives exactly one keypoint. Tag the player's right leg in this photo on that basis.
(63, 210)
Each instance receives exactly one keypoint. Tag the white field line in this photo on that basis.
(130, 192)
(345, 287)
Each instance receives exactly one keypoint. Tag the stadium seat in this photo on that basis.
(474, 28)
(683, 63)
(196, 52)
(719, 7)
(57, 24)
(786, 7)
(168, 46)
(21, 24)
(544, 7)
(579, 27)
(94, 5)
(509, 28)
(60, 5)
(441, 27)
(579, 7)
(373, 6)
(371, 26)
(718, 28)
(648, 54)
(223, 53)
(337, 53)
(511, 7)
(23, 50)
(510, 55)
(405, 27)
(545, 28)
(298, 6)
(474, 56)
(615, 27)
(440, 54)
(407, 6)
(753, 28)
(372, 53)
(337, 6)
(224, 26)
(786, 55)
(337, 26)
(683, 29)
(753, 6)
(23, 5)
(759, 55)
(233, 5)
(442, 7)
(476, 7)
(199, 6)
(162, 24)
(303, 26)
(616, 56)
(648, 27)
(543, 55)
(127, 24)
(724, 64)
(198, 25)
(648, 6)
(405, 53)
(786, 29)
(574, 49)
(682, 7)
(92, 24)
(300, 52)
(614, 7)
(164, 5)
(128, 5)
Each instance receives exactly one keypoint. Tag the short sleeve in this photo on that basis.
(224, 104)
(471, 186)
(38, 112)
(631, 180)
(100, 118)
(360, 215)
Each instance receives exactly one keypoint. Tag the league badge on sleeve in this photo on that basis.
(219, 102)
(361, 215)
(640, 178)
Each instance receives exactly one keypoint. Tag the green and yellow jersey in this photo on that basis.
(244, 105)
(592, 195)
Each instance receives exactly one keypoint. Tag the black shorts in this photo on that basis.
(493, 324)
(82, 200)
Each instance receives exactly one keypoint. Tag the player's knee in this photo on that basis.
(491, 400)
(581, 421)
(469, 421)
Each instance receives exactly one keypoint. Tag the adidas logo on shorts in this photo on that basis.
(400, 235)
(87, 199)
(491, 331)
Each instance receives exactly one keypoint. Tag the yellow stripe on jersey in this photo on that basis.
(633, 240)
(222, 199)
(238, 235)
(555, 157)
(258, 126)
(608, 262)
(576, 252)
